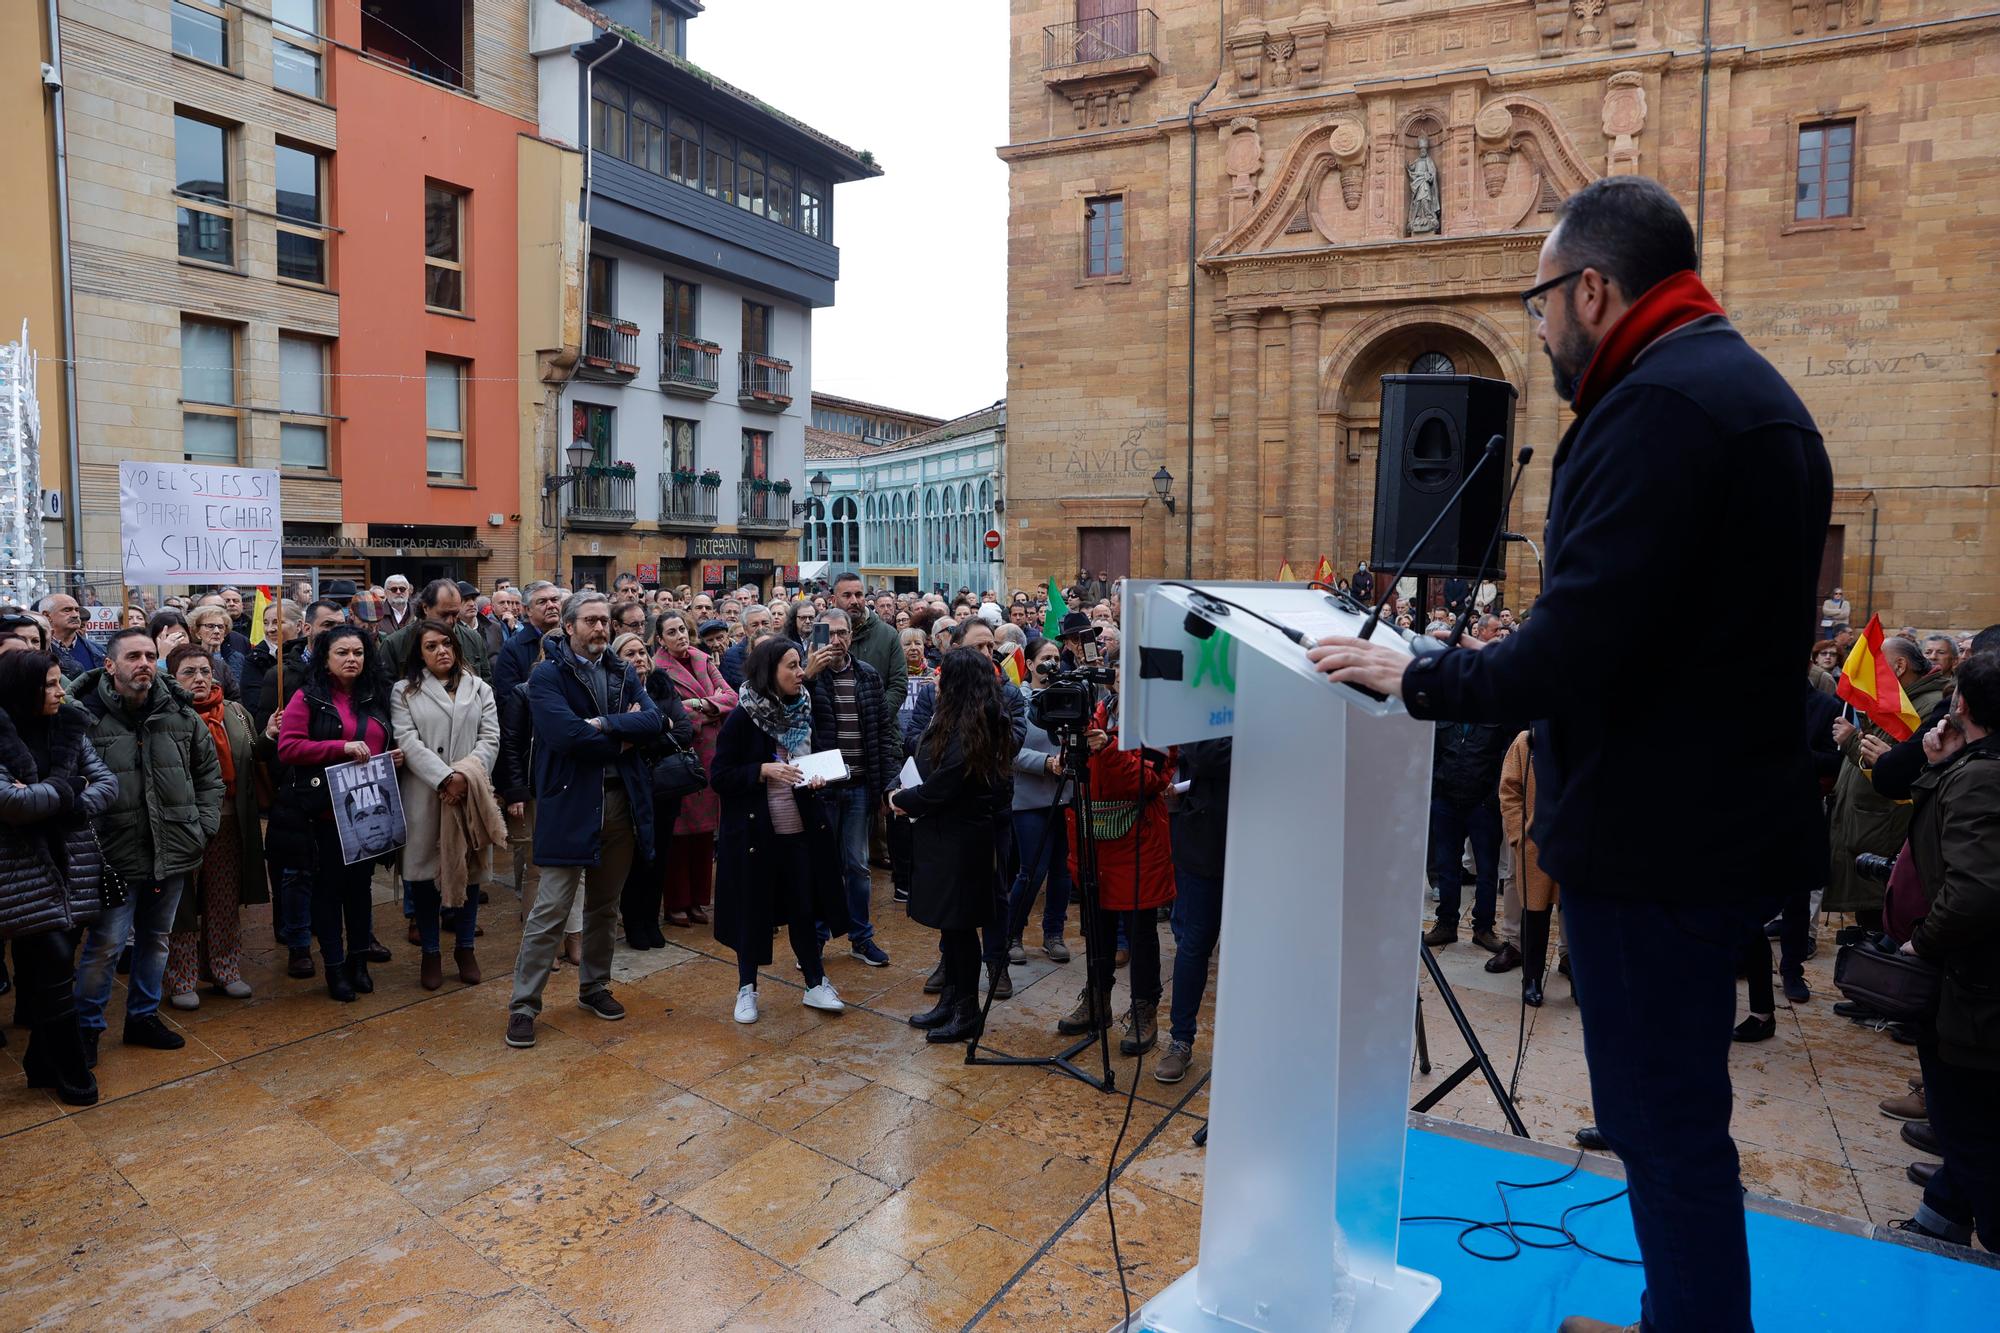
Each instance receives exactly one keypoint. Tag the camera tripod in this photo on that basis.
(1478, 1060)
(1076, 779)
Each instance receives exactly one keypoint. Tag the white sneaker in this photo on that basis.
(237, 990)
(746, 1004)
(186, 999)
(824, 997)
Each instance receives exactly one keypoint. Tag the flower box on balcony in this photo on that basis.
(626, 470)
(782, 487)
(711, 478)
(760, 484)
(771, 362)
(698, 345)
(687, 478)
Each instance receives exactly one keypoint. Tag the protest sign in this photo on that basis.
(367, 807)
(192, 523)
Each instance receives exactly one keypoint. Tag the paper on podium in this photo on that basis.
(828, 764)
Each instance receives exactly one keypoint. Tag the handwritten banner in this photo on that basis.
(191, 523)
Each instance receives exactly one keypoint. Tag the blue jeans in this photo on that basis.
(1042, 840)
(1656, 987)
(148, 916)
(851, 808)
(1197, 926)
(291, 911)
(423, 893)
(1451, 824)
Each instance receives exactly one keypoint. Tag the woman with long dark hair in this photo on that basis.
(447, 726)
(52, 783)
(337, 716)
(776, 861)
(966, 783)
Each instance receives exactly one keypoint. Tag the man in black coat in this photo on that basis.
(1465, 806)
(517, 657)
(851, 715)
(1686, 440)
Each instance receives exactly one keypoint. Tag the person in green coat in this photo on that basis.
(168, 807)
(1862, 820)
(207, 935)
(438, 601)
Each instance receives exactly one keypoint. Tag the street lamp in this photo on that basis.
(577, 453)
(819, 485)
(1163, 486)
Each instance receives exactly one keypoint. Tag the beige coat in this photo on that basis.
(436, 729)
(1517, 815)
(465, 831)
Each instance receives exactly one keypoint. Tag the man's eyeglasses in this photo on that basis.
(1536, 299)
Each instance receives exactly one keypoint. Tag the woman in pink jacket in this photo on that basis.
(689, 857)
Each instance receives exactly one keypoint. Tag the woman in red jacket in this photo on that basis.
(1135, 875)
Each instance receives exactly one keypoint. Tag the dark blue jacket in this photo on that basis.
(732, 664)
(516, 659)
(79, 657)
(572, 758)
(1700, 454)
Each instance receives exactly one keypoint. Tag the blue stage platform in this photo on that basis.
(1810, 1270)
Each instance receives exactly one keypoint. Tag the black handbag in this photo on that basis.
(1895, 984)
(678, 773)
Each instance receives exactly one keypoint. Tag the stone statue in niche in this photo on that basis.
(1423, 180)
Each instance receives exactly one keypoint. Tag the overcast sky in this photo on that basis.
(919, 314)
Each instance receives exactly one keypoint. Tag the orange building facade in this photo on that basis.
(424, 189)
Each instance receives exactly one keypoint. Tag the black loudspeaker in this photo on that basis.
(1434, 427)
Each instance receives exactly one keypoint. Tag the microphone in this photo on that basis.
(1493, 448)
(1493, 544)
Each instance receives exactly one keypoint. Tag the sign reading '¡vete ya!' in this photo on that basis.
(190, 523)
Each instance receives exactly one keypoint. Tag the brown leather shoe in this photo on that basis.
(698, 914)
(411, 933)
(1912, 1107)
(1506, 960)
(1443, 933)
(430, 972)
(1488, 941)
(468, 966)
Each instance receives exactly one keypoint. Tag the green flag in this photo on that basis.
(1058, 608)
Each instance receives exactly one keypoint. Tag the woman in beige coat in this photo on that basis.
(445, 719)
(1538, 892)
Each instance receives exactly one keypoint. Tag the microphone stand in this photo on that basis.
(1493, 448)
(1493, 544)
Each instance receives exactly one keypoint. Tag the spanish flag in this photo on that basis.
(1014, 666)
(257, 615)
(1285, 574)
(1324, 573)
(1868, 683)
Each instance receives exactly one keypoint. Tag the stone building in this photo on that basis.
(1364, 187)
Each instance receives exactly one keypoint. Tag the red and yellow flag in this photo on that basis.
(257, 615)
(1324, 572)
(1867, 682)
(1014, 666)
(1285, 574)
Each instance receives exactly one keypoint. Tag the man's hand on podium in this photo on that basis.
(1360, 662)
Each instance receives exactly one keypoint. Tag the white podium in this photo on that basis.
(1316, 998)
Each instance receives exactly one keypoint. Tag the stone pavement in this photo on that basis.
(304, 1164)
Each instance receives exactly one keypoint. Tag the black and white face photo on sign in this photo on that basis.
(367, 808)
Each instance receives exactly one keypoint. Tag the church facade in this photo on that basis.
(1363, 191)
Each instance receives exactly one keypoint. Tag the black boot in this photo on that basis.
(56, 1057)
(338, 986)
(1534, 953)
(357, 974)
(965, 1022)
(939, 1014)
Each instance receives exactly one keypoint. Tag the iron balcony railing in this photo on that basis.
(603, 497)
(1107, 37)
(610, 348)
(687, 504)
(758, 506)
(689, 366)
(763, 381)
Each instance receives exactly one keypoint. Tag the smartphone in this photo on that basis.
(821, 633)
(1091, 655)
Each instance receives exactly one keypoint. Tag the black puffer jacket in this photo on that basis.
(50, 868)
(1465, 766)
(881, 739)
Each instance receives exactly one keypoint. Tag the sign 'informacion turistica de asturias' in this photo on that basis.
(192, 523)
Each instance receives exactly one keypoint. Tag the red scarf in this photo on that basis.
(1680, 299)
(211, 713)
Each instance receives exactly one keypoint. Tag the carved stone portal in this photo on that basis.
(1624, 118)
(1243, 159)
(1423, 181)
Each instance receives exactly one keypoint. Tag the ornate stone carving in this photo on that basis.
(1833, 15)
(1349, 147)
(1243, 159)
(1103, 105)
(1587, 10)
(1280, 50)
(1569, 25)
(1624, 119)
(1310, 33)
(1495, 126)
(1246, 56)
(1422, 175)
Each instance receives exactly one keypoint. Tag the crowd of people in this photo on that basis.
(640, 746)
(644, 747)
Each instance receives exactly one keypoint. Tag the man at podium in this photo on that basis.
(1685, 441)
